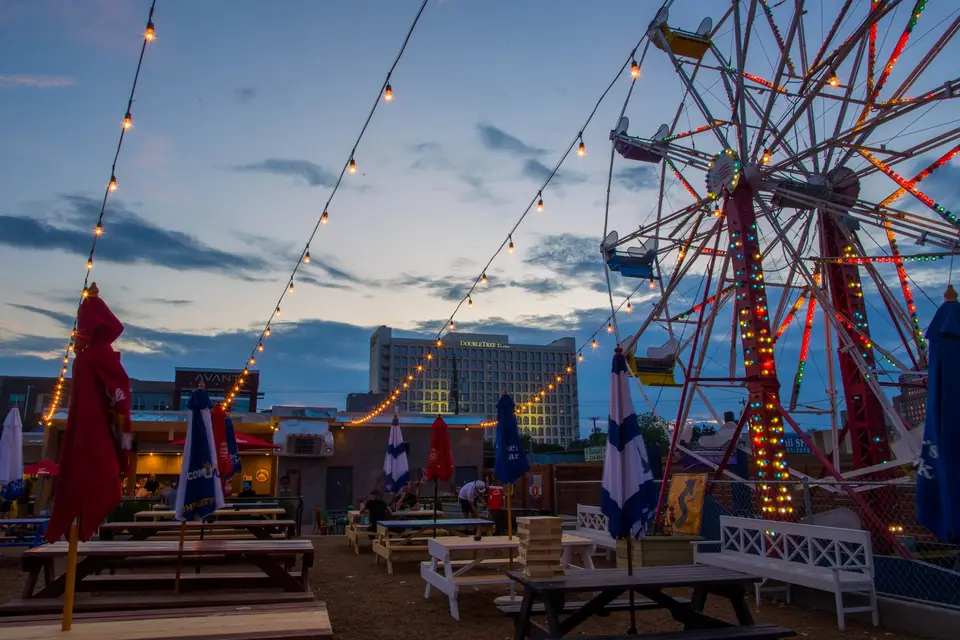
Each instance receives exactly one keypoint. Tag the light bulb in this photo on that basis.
(99, 229)
(765, 158)
(260, 346)
(594, 343)
(323, 218)
(653, 285)
(127, 121)
(290, 289)
(717, 212)
(834, 80)
(510, 246)
(113, 183)
(277, 312)
(609, 327)
(353, 165)
(453, 326)
(634, 69)
(540, 203)
(580, 357)
(483, 278)
(150, 33)
(253, 360)
(388, 93)
(267, 331)
(469, 302)
(89, 264)
(582, 149)
(306, 256)
(629, 307)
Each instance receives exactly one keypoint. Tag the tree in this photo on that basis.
(702, 430)
(653, 429)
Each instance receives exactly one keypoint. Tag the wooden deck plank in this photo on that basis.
(312, 621)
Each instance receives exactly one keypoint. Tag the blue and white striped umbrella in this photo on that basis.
(395, 463)
(629, 496)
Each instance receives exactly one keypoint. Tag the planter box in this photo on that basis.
(658, 551)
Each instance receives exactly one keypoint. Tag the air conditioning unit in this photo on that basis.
(315, 446)
(305, 438)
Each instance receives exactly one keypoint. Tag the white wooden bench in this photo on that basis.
(824, 558)
(592, 524)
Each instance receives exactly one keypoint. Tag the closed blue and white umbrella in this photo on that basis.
(199, 492)
(11, 455)
(629, 496)
(395, 463)
(511, 461)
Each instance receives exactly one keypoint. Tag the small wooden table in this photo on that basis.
(358, 535)
(260, 529)
(226, 512)
(488, 554)
(649, 582)
(405, 537)
(269, 556)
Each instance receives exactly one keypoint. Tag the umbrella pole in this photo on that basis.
(436, 498)
(183, 535)
(509, 492)
(70, 590)
(633, 613)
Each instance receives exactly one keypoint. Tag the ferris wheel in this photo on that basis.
(791, 211)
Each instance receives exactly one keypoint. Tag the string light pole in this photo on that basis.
(149, 35)
(385, 94)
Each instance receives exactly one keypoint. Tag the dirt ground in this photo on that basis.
(365, 603)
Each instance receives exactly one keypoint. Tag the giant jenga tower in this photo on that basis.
(540, 547)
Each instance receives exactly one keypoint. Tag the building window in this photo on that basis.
(18, 400)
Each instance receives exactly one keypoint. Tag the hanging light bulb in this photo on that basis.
(629, 306)
(765, 158)
(582, 149)
(580, 357)
(609, 327)
(113, 183)
(98, 230)
(510, 246)
(717, 212)
(259, 346)
(453, 326)
(267, 330)
(127, 121)
(277, 312)
(594, 343)
(353, 165)
(253, 360)
(653, 285)
(469, 302)
(306, 256)
(290, 288)
(89, 264)
(388, 93)
(323, 218)
(834, 81)
(634, 69)
(540, 202)
(483, 278)
(150, 34)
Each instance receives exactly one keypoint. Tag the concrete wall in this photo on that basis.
(363, 449)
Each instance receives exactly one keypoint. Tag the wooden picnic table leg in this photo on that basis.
(522, 627)
(683, 612)
(33, 574)
(553, 604)
(737, 595)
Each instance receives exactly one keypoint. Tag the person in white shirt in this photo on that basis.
(468, 498)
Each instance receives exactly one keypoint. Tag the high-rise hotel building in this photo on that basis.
(485, 365)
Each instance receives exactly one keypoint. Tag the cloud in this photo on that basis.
(454, 291)
(429, 156)
(35, 81)
(496, 139)
(244, 95)
(944, 182)
(311, 172)
(168, 301)
(576, 258)
(127, 239)
(638, 177)
(539, 172)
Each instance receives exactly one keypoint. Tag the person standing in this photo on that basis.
(468, 498)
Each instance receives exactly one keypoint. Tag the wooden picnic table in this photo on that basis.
(648, 582)
(403, 537)
(229, 511)
(19, 538)
(490, 553)
(260, 529)
(271, 557)
(360, 536)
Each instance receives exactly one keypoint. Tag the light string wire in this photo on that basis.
(508, 243)
(385, 94)
(149, 35)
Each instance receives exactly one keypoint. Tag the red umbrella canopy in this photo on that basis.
(440, 462)
(244, 441)
(42, 468)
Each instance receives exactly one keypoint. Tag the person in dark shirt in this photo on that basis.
(406, 500)
(151, 484)
(376, 508)
(247, 492)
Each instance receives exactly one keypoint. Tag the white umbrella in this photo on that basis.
(11, 448)
(395, 464)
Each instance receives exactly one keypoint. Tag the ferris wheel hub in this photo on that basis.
(723, 174)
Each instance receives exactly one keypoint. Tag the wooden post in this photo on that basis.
(633, 613)
(183, 535)
(70, 587)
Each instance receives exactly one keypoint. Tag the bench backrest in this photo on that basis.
(590, 518)
(806, 544)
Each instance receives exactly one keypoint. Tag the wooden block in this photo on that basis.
(540, 522)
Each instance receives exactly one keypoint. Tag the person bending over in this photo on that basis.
(468, 498)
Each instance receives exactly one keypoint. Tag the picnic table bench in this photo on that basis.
(359, 536)
(592, 523)
(650, 583)
(259, 529)
(408, 538)
(226, 512)
(249, 622)
(271, 557)
(490, 553)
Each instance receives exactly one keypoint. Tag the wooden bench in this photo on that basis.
(303, 620)
(143, 530)
(511, 607)
(823, 558)
(755, 632)
(592, 524)
(398, 540)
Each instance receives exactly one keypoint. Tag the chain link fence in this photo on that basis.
(910, 562)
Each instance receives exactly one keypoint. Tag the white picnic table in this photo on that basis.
(485, 569)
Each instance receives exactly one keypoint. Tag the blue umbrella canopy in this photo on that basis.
(629, 495)
(511, 462)
(199, 492)
(235, 464)
(395, 465)
(938, 470)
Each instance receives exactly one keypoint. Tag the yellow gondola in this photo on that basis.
(685, 44)
(657, 369)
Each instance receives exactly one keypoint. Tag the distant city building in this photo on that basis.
(364, 402)
(911, 404)
(486, 365)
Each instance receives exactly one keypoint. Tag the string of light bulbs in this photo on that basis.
(508, 244)
(385, 94)
(149, 35)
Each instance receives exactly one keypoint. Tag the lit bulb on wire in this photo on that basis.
(653, 285)
(306, 256)
(89, 264)
(582, 148)
(267, 330)
(277, 312)
(634, 69)
(150, 34)
(834, 81)
(580, 357)
(453, 326)
(259, 346)
(98, 230)
(113, 183)
(629, 307)
(483, 278)
(353, 165)
(290, 288)
(388, 93)
(540, 203)
(469, 302)
(594, 343)
(609, 327)
(510, 246)
(323, 218)
(127, 121)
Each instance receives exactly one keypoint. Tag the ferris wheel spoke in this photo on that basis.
(845, 105)
(742, 40)
(831, 34)
(935, 50)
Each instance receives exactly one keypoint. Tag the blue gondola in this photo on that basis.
(636, 262)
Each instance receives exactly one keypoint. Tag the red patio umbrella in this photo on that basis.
(440, 460)
(42, 468)
(243, 442)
